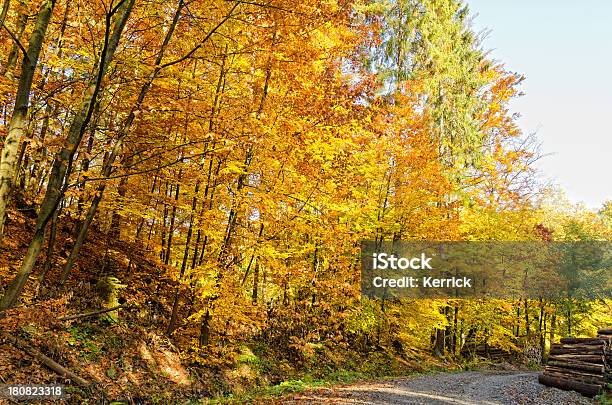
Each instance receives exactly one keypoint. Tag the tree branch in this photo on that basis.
(89, 314)
(47, 361)
(206, 38)
(16, 40)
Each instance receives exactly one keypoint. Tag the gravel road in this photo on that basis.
(467, 388)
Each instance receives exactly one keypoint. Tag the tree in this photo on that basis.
(19, 121)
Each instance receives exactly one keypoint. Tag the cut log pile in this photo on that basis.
(494, 353)
(580, 364)
(471, 348)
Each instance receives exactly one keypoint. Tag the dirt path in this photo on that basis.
(468, 388)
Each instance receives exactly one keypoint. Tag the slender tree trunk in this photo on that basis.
(543, 334)
(177, 189)
(51, 109)
(248, 269)
(455, 331)
(85, 166)
(142, 220)
(34, 177)
(527, 325)
(50, 246)
(80, 239)
(448, 332)
(19, 120)
(194, 202)
(256, 283)
(518, 320)
(439, 347)
(162, 253)
(553, 327)
(115, 227)
(264, 282)
(205, 330)
(569, 319)
(211, 125)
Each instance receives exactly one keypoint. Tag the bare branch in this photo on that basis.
(19, 44)
(206, 38)
(89, 314)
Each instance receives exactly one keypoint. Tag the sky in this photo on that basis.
(564, 48)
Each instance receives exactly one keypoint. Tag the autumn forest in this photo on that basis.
(184, 187)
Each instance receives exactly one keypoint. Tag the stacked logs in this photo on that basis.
(493, 353)
(580, 364)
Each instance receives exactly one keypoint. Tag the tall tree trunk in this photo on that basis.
(173, 317)
(256, 283)
(448, 332)
(122, 188)
(518, 319)
(205, 330)
(19, 120)
(177, 190)
(439, 345)
(142, 220)
(85, 166)
(264, 282)
(50, 247)
(51, 109)
(553, 327)
(455, 330)
(162, 252)
(527, 325)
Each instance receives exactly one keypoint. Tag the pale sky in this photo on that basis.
(564, 48)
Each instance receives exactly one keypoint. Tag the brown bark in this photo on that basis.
(90, 314)
(587, 358)
(586, 341)
(439, 345)
(589, 390)
(256, 283)
(553, 327)
(527, 322)
(577, 349)
(204, 338)
(575, 375)
(576, 365)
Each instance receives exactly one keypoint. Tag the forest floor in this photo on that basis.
(133, 360)
(465, 388)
